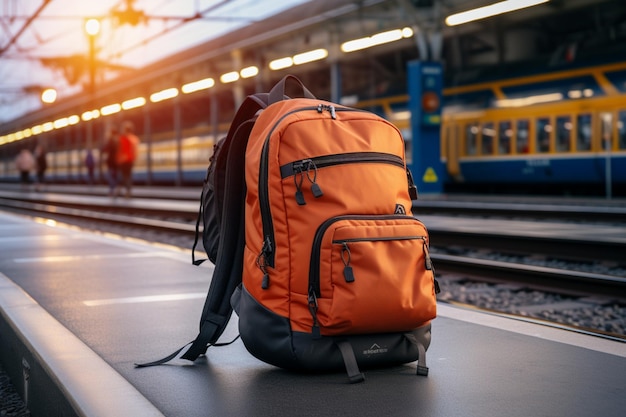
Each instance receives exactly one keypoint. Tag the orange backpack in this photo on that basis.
(329, 269)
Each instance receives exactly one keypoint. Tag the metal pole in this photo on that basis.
(179, 140)
(92, 86)
(335, 82)
(147, 133)
(607, 169)
(215, 116)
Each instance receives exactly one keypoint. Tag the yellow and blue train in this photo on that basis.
(563, 131)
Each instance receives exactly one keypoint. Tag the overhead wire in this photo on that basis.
(198, 15)
(26, 24)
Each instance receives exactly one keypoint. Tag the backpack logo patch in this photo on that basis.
(375, 349)
(399, 209)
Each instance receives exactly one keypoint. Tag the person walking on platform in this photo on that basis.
(126, 155)
(25, 163)
(90, 163)
(110, 150)
(42, 165)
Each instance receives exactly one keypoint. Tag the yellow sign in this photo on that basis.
(430, 176)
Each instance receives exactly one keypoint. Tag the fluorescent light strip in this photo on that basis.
(281, 63)
(229, 77)
(491, 10)
(249, 72)
(164, 95)
(203, 84)
(377, 39)
(306, 57)
(110, 109)
(133, 103)
(60, 123)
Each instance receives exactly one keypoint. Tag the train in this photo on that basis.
(562, 131)
(556, 132)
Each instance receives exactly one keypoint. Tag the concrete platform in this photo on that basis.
(78, 309)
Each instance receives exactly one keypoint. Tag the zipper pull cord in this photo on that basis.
(430, 267)
(333, 114)
(315, 188)
(348, 273)
(313, 306)
(298, 178)
(412, 186)
(261, 263)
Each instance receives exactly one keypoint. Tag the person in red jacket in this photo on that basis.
(127, 149)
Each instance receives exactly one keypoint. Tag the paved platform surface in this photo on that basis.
(86, 307)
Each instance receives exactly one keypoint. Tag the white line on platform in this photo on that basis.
(531, 328)
(66, 258)
(145, 299)
(47, 238)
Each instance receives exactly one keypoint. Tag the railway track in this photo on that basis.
(569, 286)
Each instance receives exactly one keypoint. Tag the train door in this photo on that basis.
(606, 131)
(451, 147)
(606, 145)
(620, 128)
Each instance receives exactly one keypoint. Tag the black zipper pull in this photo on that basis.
(430, 267)
(315, 188)
(428, 263)
(315, 330)
(412, 186)
(298, 178)
(348, 273)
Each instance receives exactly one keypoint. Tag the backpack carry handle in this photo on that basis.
(278, 92)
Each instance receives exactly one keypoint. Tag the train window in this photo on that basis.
(563, 133)
(621, 129)
(523, 127)
(505, 133)
(544, 130)
(471, 138)
(583, 134)
(488, 138)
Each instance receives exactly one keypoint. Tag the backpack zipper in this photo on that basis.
(314, 266)
(292, 168)
(307, 168)
(314, 281)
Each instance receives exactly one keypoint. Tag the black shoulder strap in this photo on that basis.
(229, 263)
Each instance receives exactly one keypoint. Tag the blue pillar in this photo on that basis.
(335, 82)
(425, 97)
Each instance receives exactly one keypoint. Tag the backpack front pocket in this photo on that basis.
(371, 274)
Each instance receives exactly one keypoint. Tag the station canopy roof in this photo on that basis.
(43, 43)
